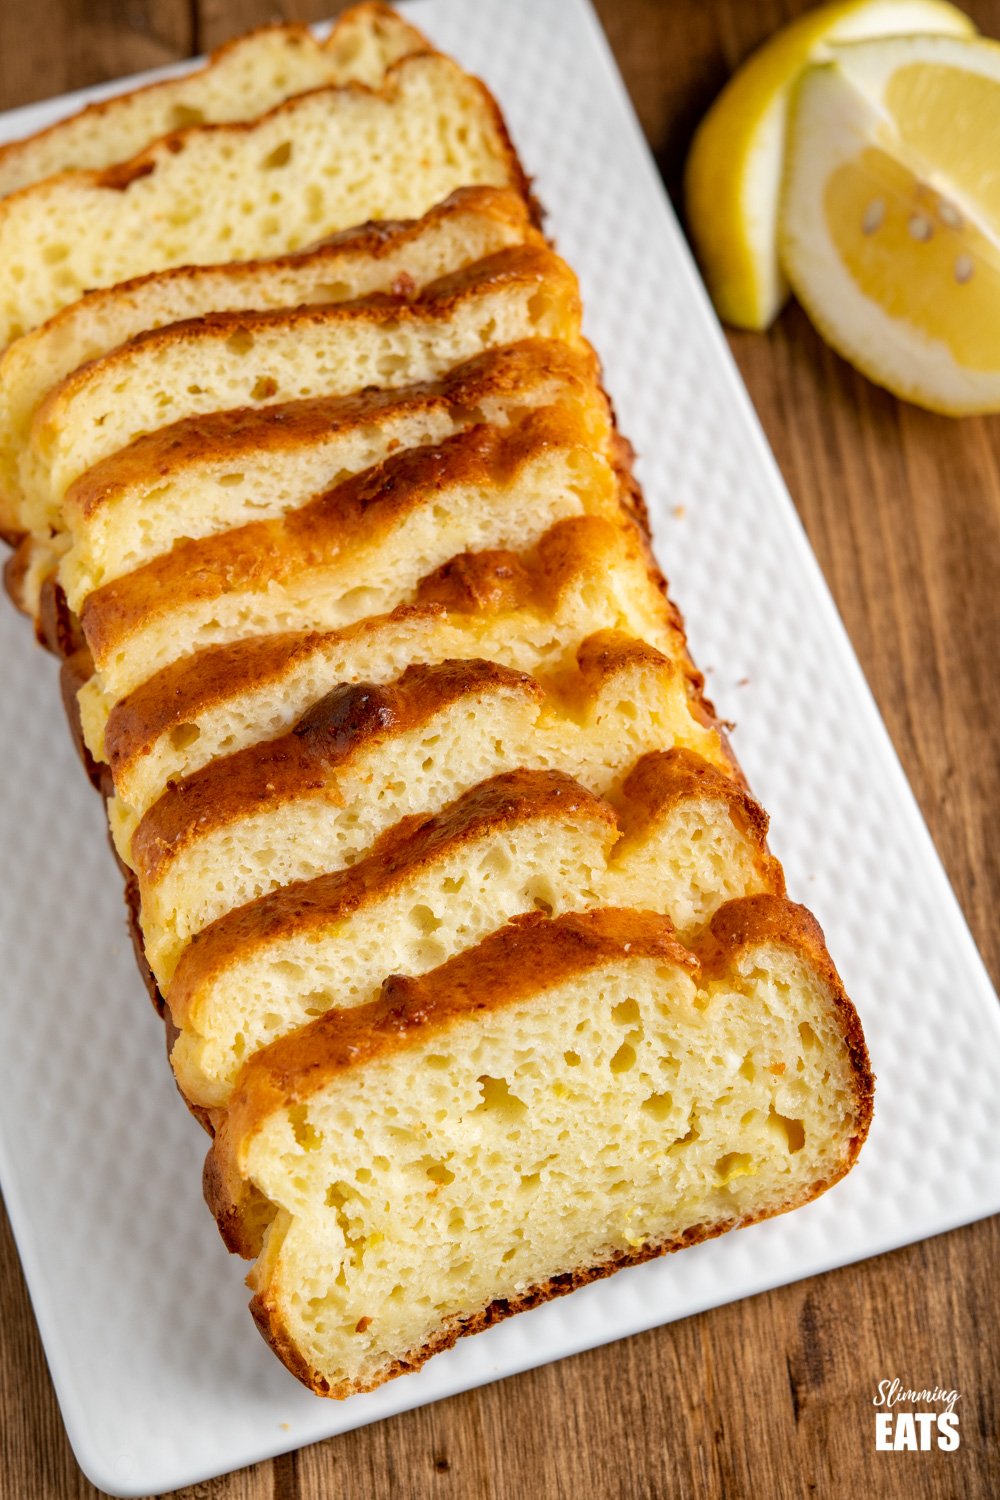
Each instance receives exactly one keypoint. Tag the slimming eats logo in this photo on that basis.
(905, 1430)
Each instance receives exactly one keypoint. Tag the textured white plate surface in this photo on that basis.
(161, 1376)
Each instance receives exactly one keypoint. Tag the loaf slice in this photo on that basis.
(229, 360)
(313, 800)
(687, 839)
(527, 611)
(358, 550)
(470, 225)
(570, 1097)
(242, 79)
(310, 167)
(212, 473)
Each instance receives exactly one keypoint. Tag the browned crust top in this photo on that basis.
(348, 722)
(293, 30)
(608, 652)
(503, 802)
(526, 265)
(253, 556)
(244, 433)
(529, 955)
(474, 583)
(664, 778)
(119, 177)
(741, 926)
(376, 239)
(660, 779)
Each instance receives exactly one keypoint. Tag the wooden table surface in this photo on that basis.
(769, 1397)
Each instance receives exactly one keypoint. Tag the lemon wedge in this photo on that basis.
(890, 216)
(734, 168)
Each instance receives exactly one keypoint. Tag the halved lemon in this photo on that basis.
(890, 215)
(733, 173)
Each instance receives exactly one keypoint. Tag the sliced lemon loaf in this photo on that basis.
(470, 225)
(244, 78)
(527, 611)
(366, 649)
(315, 799)
(687, 840)
(572, 1096)
(312, 166)
(209, 474)
(358, 550)
(229, 360)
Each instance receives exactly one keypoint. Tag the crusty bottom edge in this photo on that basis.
(274, 1332)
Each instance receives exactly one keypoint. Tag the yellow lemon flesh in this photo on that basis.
(734, 169)
(890, 218)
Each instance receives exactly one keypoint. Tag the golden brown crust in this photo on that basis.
(756, 921)
(246, 432)
(502, 802)
(605, 653)
(374, 240)
(659, 781)
(531, 264)
(497, 580)
(663, 778)
(530, 952)
(254, 556)
(378, 238)
(292, 29)
(474, 583)
(492, 582)
(348, 722)
(121, 175)
(376, 12)
(184, 690)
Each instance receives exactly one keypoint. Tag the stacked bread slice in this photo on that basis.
(249, 76)
(472, 954)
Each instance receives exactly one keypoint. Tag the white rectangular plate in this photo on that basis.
(161, 1376)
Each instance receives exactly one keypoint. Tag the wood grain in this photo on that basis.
(768, 1397)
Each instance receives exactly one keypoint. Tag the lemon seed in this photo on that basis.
(920, 227)
(964, 268)
(949, 214)
(874, 214)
